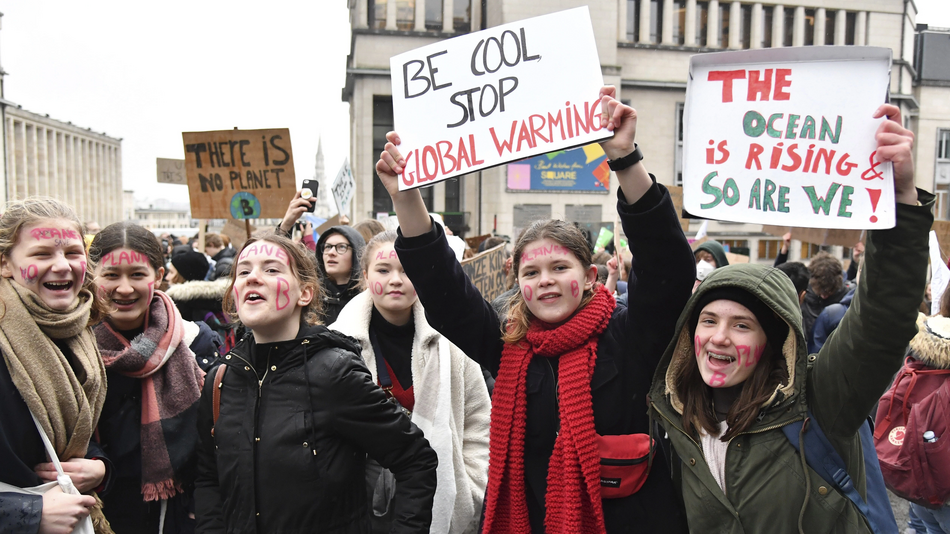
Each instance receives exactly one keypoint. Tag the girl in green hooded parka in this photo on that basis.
(737, 371)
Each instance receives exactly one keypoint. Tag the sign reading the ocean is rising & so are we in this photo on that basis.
(786, 137)
(239, 174)
(502, 94)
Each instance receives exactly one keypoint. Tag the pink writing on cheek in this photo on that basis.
(575, 288)
(102, 293)
(237, 300)
(718, 379)
(82, 276)
(29, 274)
(740, 349)
(151, 291)
(378, 288)
(281, 283)
(526, 290)
(697, 346)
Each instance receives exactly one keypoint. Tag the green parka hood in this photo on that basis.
(775, 290)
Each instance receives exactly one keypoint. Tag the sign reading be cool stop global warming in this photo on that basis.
(786, 137)
(502, 94)
(239, 174)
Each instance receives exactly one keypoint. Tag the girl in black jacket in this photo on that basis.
(286, 423)
(152, 358)
(572, 369)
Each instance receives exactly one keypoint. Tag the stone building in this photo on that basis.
(48, 157)
(644, 48)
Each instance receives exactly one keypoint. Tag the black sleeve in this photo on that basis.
(208, 513)
(453, 305)
(20, 513)
(853, 270)
(363, 415)
(94, 452)
(781, 258)
(662, 272)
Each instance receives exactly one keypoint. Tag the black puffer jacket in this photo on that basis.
(222, 263)
(334, 296)
(288, 454)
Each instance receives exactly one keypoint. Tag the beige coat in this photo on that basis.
(462, 407)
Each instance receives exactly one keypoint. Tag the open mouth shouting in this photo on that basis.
(58, 286)
(253, 297)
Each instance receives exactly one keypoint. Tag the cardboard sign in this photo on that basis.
(942, 229)
(785, 137)
(502, 94)
(239, 174)
(171, 171)
(344, 186)
(676, 194)
(818, 236)
(487, 272)
(237, 231)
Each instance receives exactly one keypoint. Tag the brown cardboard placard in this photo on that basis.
(943, 237)
(818, 236)
(237, 232)
(239, 174)
(487, 272)
(676, 193)
(736, 258)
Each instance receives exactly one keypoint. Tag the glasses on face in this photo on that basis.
(340, 248)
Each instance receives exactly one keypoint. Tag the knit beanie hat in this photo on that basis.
(190, 264)
(776, 329)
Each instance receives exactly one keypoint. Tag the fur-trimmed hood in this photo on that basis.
(931, 345)
(199, 290)
(776, 291)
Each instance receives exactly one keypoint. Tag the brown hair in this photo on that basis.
(756, 390)
(378, 240)
(705, 255)
(825, 271)
(565, 234)
(369, 228)
(26, 212)
(303, 265)
(213, 240)
(945, 303)
(128, 235)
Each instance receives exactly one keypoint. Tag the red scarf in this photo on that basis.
(572, 500)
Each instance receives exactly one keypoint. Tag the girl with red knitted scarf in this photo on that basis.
(572, 368)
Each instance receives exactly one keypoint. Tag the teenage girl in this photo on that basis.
(152, 357)
(51, 367)
(429, 377)
(285, 429)
(571, 367)
(738, 372)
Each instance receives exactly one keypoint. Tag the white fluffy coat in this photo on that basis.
(468, 418)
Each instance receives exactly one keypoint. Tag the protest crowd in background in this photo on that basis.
(389, 376)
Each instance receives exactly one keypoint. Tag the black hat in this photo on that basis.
(776, 329)
(190, 264)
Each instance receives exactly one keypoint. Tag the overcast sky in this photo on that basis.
(147, 71)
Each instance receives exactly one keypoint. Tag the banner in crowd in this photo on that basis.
(818, 236)
(502, 94)
(785, 137)
(344, 186)
(239, 174)
(171, 171)
(582, 169)
(487, 272)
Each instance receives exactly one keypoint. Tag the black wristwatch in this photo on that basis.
(629, 160)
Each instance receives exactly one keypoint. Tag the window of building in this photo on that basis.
(809, 250)
(462, 15)
(745, 32)
(702, 22)
(405, 14)
(678, 151)
(434, 15)
(769, 248)
(383, 123)
(766, 27)
(809, 27)
(376, 11)
(724, 25)
(453, 194)
(830, 26)
(679, 21)
(789, 16)
(633, 28)
(942, 174)
(656, 20)
(850, 24)
(943, 144)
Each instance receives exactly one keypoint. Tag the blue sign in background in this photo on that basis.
(580, 169)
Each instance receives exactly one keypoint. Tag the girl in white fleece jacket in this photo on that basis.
(430, 378)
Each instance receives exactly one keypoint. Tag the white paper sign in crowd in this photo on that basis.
(502, 94)
(786, 137)
(344, 186)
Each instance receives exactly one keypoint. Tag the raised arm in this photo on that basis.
(860, 357)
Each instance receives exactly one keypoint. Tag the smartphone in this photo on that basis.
(311, 187)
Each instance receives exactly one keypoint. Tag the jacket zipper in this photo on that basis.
(674, 425)
(257, 409)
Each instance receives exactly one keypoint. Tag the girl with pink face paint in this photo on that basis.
(155, 363)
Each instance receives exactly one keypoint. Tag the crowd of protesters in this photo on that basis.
(355, 380)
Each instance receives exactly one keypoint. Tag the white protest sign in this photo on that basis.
(939, 274)
(171, 171)
(786, 137)
(343, 188)
(502, 94)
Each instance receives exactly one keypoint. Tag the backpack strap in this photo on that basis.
(216, 395)
(828, 464)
